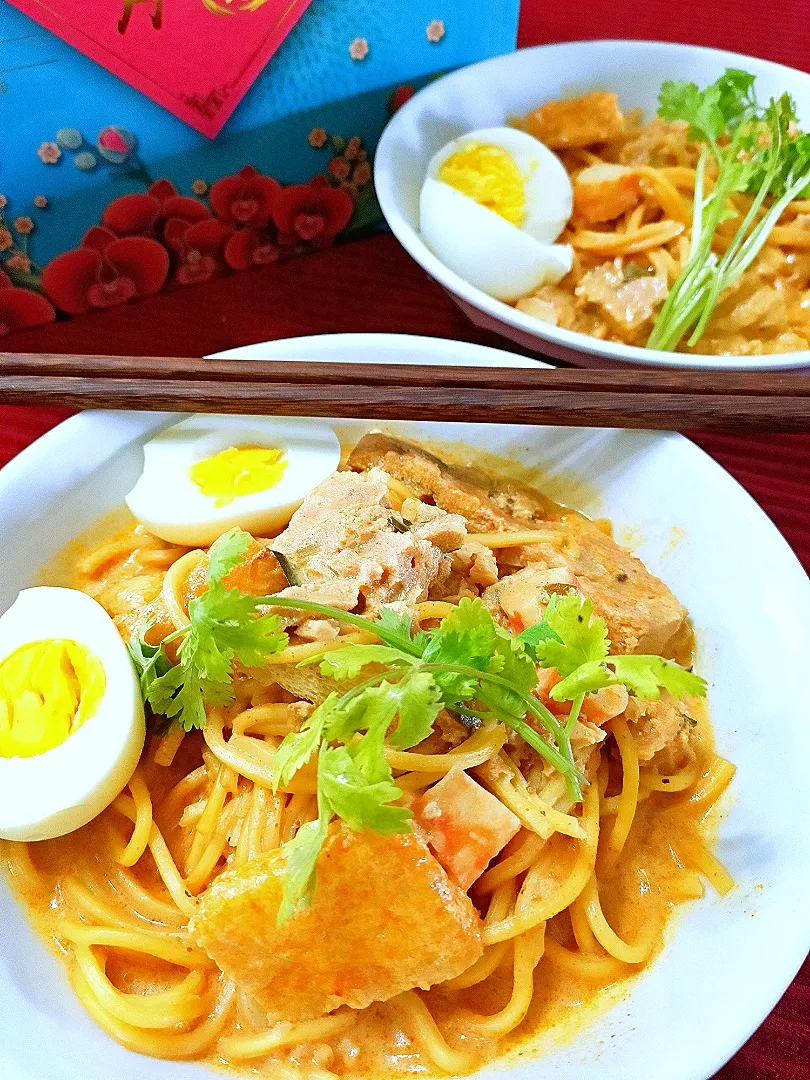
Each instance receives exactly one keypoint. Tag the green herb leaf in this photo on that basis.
(362, 803)
(643, 675)
(150, 661)
(464, 637)
(397, 629)
(178, 695)
(227, 553)
(512, 662)
(418, 701)
(540, 631)
(348, 662)
(301, 854)
(297, 747)
(224, 624)
(400, 525)
(758, 150)
(570, 634)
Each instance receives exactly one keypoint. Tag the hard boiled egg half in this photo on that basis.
(492, 205)
(71, 718)
(208, 474)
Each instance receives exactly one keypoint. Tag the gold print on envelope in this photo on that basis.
(157, 14)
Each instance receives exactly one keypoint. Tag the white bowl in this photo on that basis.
(727, 960)
(487, 95)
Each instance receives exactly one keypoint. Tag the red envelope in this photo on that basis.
(196, 58)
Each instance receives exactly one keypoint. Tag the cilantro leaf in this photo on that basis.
(348, 662)
(224, 625)
(227, 553)
(361, 803)
(467, 637)
(758, 150)
(419, 702)
(643, 675)
(397, 623)
(577, 635)
(397, 628)
(540, 631)
(178, 695)
(712, 112)
(373, 706)
(513, 663)
(368, 754)
(298, 746)
(301, 854)
(151, 661)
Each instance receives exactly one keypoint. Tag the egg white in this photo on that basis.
(170, 504)
(501, 259)
(58, 791)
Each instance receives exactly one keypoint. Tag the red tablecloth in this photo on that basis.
(373, 286)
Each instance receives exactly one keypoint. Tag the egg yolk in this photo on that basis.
(490, 176)
(242, 470)
(47, 691)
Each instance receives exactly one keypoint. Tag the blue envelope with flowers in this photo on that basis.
(107, 197)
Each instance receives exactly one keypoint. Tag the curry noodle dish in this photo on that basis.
(426, 766)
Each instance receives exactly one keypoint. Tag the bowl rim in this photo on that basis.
(118, 429)
(571, 340)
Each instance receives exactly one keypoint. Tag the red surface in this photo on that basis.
(373, 286)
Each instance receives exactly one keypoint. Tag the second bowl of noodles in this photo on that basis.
(627, 277)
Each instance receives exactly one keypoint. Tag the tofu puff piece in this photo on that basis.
(577, 122)
(641, 613)
(385, 918)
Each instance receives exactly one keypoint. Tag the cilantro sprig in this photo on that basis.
(224, 624)
(757, 149)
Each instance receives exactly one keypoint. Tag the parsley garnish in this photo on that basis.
(757, 150)
(224, 625)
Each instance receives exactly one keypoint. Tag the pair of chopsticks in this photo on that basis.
(627, 398)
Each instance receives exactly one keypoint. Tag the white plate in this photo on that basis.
(487, 95)
(727, 960)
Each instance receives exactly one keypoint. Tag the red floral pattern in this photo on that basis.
(201, 250)
(246, 199)
(21, 308)
(106, 270)
(148, 240)
(313, 212)
(252, 247)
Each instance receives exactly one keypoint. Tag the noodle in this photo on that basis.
(418, 1016)
(528, 950)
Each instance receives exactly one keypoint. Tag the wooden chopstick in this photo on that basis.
(671, 399)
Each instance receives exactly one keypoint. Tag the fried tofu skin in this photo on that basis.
(385, 918)
(576, 122)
